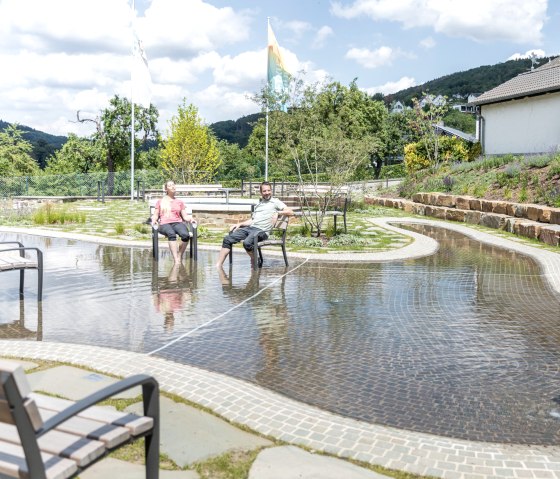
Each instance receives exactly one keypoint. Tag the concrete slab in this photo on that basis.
(110, 467)
(189, 435)
(290, 462)
(74, 383)
(27, 365)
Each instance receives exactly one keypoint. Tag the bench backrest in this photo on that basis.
(14, 396)
(191, 188)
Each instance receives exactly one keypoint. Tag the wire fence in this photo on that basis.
(95, 184)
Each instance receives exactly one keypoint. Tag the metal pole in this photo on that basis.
(132, 117)
(266, 147)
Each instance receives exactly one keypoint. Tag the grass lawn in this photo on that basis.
(124, 219)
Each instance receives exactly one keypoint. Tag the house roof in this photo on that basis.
(541, 80)
(454, 132)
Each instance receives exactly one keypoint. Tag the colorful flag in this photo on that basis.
(141, 78)
(278, 76)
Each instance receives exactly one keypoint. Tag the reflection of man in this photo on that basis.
(261, 223)
(171, 297)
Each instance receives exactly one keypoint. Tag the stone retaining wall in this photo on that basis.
(531, 221)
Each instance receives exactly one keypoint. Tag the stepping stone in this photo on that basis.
(74, 383)
(110, 467)
(189, 435)
(26, 365)
(290, 462)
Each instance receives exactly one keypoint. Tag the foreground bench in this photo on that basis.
(14, 258)
(42, 437)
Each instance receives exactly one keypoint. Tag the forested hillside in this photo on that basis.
(43, 144)
(476, 80)
(237, 131)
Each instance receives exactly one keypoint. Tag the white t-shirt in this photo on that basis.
(262, 216)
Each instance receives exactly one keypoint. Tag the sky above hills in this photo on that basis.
(60, 56)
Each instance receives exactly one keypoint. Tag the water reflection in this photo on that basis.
(171, 293)
(463, 343)
(17, 328)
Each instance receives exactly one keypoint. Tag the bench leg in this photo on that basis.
(21, 282)
(40, 278)
(155, 245)
(150, 393)
(335, 224)
(284, 253)
(344, 218)
(256, 252)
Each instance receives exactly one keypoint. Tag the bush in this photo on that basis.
(50, 215)
(350, 240)
(305, 242)
(415, 157)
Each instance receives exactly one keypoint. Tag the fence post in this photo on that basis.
(250, 189)
(27, 186)
(242, 188)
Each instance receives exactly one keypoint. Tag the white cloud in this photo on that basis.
(391, 87)
(528, 54)
(245, 69)
(297, 27)
(321, 36)
(376, 58)
(221, 102)
(428, 43)
(519, 21)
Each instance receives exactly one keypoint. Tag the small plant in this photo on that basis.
(305, 242)
(448, 182)
(50, 215)
(330, 231)
(141, 228)
(350, 240)
(507, 193)
(523, 196)
(119, 228)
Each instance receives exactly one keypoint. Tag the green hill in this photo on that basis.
(476, 80)
(43, 144)
(237, 131)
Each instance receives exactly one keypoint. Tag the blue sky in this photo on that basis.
(67, 55)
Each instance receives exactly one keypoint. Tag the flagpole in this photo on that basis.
(132, 112)
(266, 123)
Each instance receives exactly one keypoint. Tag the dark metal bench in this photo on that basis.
(44, 437)
(277, 237)
(14, 258)
(193, 242)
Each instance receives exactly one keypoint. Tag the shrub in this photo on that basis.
(349, 240)
(305, 242)
(119, 228)
(448, 182)
(141, 228)
(50, 215)
(415, 157)
(474, 151)
(510, 176)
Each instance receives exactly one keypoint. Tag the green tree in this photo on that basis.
(190, 153)
(15, 154)
(236, 163)
(328, 130)
(78, 155)
(461, 121)
(113, 131)
(423, 122)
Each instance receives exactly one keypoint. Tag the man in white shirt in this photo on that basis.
(261, 223)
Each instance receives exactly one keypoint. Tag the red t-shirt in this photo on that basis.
(173, 215)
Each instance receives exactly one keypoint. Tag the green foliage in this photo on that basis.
(114, 131)
(119, 228)
(141, 228)
(236, 163)
(350, 240)
(15, 154)
(305, 242)
(190, 153)
(465, 122)
(510, 176)
(475, 151)
(523, 195)
(50, 215)
(415, 157)
(237, 131)
(78, 155)
(475, 80)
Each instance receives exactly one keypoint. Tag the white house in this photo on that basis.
(435, 100)
(397, 107)
(521, 115)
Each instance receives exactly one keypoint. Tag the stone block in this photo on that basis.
(500, 207)
(528, 229)
(445, 200)
(440, 212)
(544, 214)
(533, 212)
(455, 215)
(493, 220)
(408, 206)
(419, 209)
(463, 202)
(487, 206)
(431, 199)
(555, 216)
(550, 234)
(417, 197)
(510, 224)
(475, 204)
(473, 217)
(429, 210)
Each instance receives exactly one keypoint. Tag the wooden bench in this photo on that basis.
(14, 258)
(277, 237)
(43, 437)
(214, 188)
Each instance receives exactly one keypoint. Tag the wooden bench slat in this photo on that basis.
(135, 424)
(12, 463)
(110, 435)
(81, 450)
